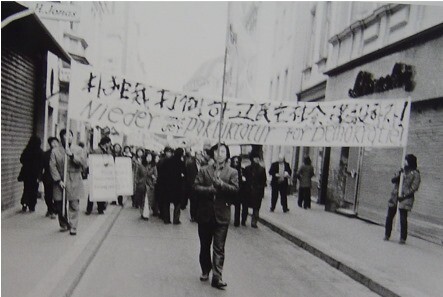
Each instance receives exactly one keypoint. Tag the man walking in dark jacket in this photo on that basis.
(216, 185)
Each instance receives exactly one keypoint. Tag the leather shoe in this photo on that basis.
(218, 284)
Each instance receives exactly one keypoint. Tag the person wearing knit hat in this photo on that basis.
(404, 199)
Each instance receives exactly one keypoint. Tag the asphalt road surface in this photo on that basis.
(148, 258)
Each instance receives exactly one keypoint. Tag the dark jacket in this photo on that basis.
(411, 183)
(274, 170)
(171, 180)
(254, 186)
(191, 174)
(47, 178)
(304, 174)
(32, 164)
(215, 205)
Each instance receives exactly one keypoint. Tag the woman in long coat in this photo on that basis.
(254, 187)
(151, 180)
(31, 172)
(138, 174)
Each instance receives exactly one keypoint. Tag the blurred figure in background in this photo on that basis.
(191, 174)
(304, 175)
(239, 203)
(151, 180)
(255, 183)
(48, 182)
(31, 172)
(117, 152)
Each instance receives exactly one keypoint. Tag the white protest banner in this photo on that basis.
(123, 176)
(109, 100)
(102, 178)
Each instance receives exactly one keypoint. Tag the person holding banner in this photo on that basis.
(73, 188)
(280, 172)
(404, 199)
(216, 186)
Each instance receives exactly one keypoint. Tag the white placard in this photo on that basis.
(123, 176)
(102, 185)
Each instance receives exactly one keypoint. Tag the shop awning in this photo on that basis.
(23, 29)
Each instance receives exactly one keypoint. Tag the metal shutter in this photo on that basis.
(17, 119)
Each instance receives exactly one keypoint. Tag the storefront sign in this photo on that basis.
(57, 11)
(365, 84)
(108, 100)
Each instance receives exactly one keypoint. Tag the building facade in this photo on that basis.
(25, 48)
(388, 51)
(325, 51)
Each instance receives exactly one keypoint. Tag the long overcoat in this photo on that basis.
(254, 185)
(74, 184)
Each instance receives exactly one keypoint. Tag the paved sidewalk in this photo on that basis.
(357, 248)
(38, 260)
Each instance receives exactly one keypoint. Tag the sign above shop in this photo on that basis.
(57, 11)
(366, 84)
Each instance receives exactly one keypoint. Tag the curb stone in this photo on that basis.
(349, 271)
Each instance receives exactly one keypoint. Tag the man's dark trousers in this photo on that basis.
(283, 189)
(212, 232)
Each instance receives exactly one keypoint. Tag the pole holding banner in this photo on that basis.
(223, 89)
(402, 174)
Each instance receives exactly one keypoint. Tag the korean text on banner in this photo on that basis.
(113, 101)
(102, 185)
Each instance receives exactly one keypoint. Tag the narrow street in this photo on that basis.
(140, 258)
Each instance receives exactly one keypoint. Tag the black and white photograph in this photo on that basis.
(221, 148)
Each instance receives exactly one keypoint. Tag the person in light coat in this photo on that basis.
(405, 199)
(74, 184)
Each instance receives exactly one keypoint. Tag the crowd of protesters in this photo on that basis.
(210, 181)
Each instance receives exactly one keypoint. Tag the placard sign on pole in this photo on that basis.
(123, 176)
(102, 185)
